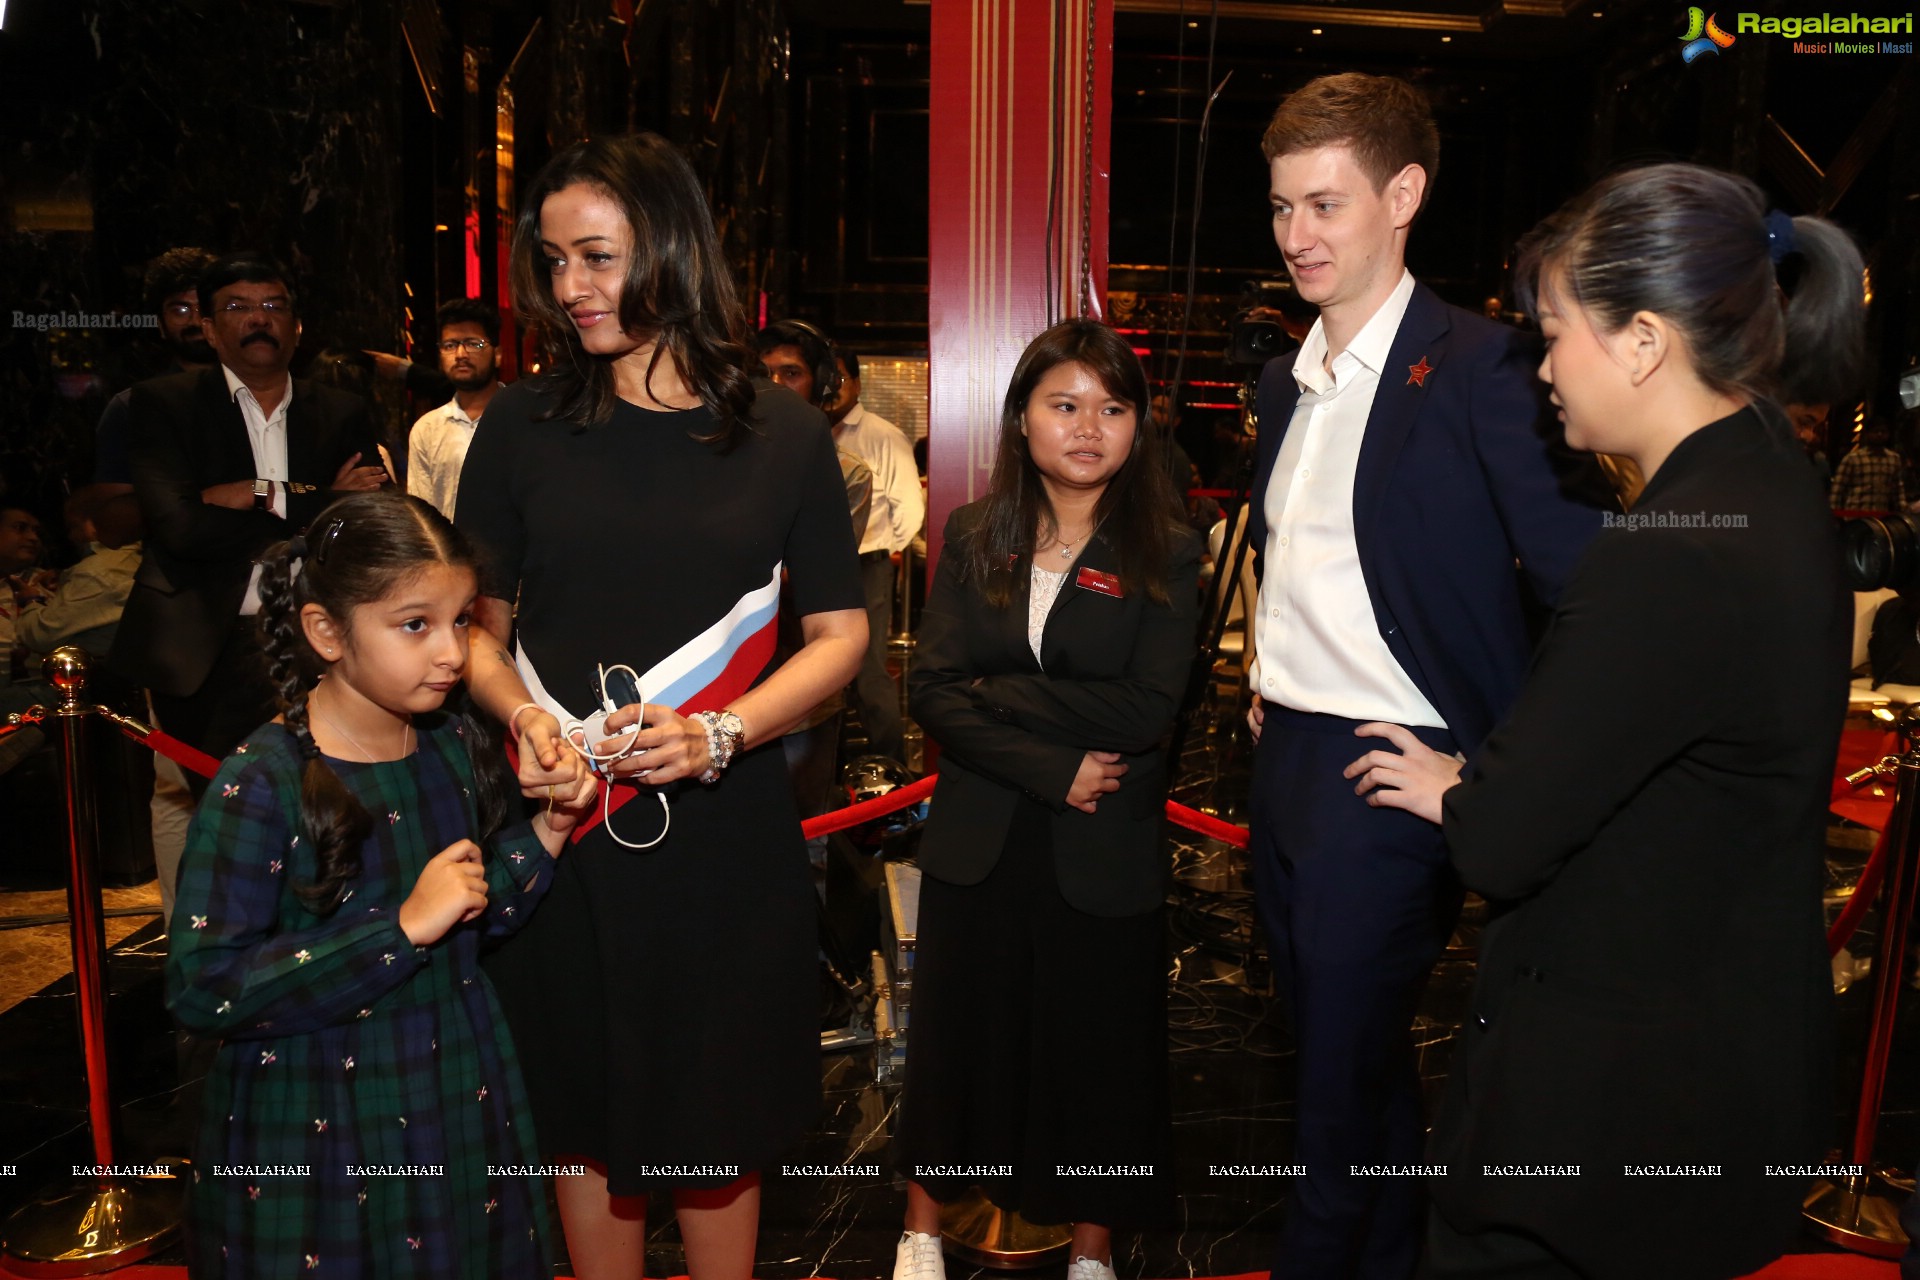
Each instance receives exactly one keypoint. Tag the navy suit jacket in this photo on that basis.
(1463, 472)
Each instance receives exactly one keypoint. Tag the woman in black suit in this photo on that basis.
(1052, 655)
(1653, 994)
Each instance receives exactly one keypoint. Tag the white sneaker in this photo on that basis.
(1088, 1269)
(918, 1257)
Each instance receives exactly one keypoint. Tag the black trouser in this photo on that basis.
(873, 690)
(235, 699)
(1357, 903)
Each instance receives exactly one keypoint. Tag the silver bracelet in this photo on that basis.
(725, 735)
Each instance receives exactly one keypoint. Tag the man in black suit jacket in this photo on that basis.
(226, 462)
(1403, 467)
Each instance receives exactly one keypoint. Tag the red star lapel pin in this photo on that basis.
(1417, 373)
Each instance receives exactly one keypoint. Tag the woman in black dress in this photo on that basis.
(1052, 654)
(643, 502)
(1653, 992)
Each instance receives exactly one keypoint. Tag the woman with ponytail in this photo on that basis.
(365, 1115)
(1642, 1086)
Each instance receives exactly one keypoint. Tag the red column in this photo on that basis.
(1014, 84)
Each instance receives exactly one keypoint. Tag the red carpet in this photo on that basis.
(1830, 1266)
(1799, 1266)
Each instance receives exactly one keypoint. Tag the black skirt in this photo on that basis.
(1037, 1047)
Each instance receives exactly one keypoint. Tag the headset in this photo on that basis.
(825, 359)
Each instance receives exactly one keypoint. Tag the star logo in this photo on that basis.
(1417, 373)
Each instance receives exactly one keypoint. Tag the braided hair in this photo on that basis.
(361, 548)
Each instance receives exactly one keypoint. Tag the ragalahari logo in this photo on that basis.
(1703, 36)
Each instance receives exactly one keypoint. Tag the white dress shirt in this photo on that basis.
(899, 507)
(436, 450)
(1318, 642)
(268, 436)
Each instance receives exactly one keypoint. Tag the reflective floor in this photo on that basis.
(1230, 1076)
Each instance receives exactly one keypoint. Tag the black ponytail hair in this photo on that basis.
(1698, 247)
(360, 548)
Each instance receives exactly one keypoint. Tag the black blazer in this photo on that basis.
(1462, 472)
(185, 433)
(1114, 671)
(1648, 824)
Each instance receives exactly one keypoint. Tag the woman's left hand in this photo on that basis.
(670, 748)
(567, 806)
(1413, 779)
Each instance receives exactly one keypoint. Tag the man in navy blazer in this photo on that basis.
(1408, 494)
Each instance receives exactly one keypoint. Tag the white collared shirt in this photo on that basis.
(267, 433)
(436, 450)
(1318, 642)
(899, 506)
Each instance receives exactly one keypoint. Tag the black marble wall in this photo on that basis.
(227, 124)
(219, 124)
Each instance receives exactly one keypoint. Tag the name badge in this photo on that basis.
(1094, 580)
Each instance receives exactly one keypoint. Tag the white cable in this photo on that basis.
(601, 764)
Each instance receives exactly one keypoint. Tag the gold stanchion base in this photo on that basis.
(976, 1231)
(1859, 1214)
(92, 1227)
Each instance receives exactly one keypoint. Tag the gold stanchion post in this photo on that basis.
(1862, 1212)
(102, 1220)
(978, 1231)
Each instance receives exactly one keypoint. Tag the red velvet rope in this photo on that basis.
(1181, 815)
(1863, 891)
(177, 751)
(1206, 824)
(839, 820)
(867, 810)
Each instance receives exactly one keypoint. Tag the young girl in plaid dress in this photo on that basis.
(365, 1115)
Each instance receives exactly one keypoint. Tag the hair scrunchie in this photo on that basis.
(296, 555)
(1781, 239)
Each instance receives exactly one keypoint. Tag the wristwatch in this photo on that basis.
(263, 495)
(725, 736)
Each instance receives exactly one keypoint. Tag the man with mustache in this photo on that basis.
(227, 461)
(469, 346)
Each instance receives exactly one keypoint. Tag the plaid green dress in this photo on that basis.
(365, 1115)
